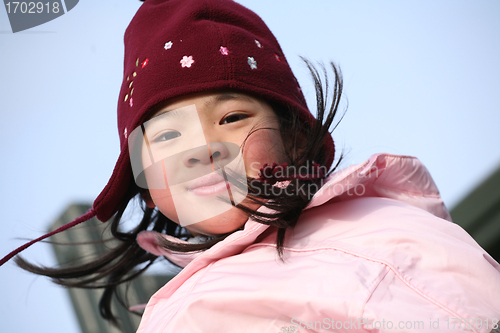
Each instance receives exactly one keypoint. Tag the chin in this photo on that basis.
(224, 223)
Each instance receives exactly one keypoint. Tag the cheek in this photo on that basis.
(229, 221)
(263, 147)
(160, 192)
(163, 200)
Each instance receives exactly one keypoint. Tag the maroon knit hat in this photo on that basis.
(178, 47)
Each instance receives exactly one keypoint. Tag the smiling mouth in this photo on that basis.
(210, 184)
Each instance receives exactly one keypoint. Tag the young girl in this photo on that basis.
(234, 173)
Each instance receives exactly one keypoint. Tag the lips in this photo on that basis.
(211, 184)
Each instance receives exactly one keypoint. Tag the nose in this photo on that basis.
(205, 154)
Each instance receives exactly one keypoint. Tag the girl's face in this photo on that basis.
(197, 141)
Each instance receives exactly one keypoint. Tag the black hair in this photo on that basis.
(304, 143)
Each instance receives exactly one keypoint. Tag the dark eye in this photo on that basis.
(167, 136)
(233, 118)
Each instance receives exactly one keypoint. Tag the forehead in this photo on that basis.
(205, 101)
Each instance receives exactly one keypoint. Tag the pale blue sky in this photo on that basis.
(422, 78)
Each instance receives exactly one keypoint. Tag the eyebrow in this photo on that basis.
(170, 113)
(220, 98)
(213, 102)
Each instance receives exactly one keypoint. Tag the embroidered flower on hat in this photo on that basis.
(223, 50)
(258, 44)
(168, 45)
(187, 61)
(131, 82)
(252, 62)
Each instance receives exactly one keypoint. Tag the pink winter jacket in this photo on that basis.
(374, 251)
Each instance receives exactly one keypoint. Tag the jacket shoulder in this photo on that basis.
(433, 258)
